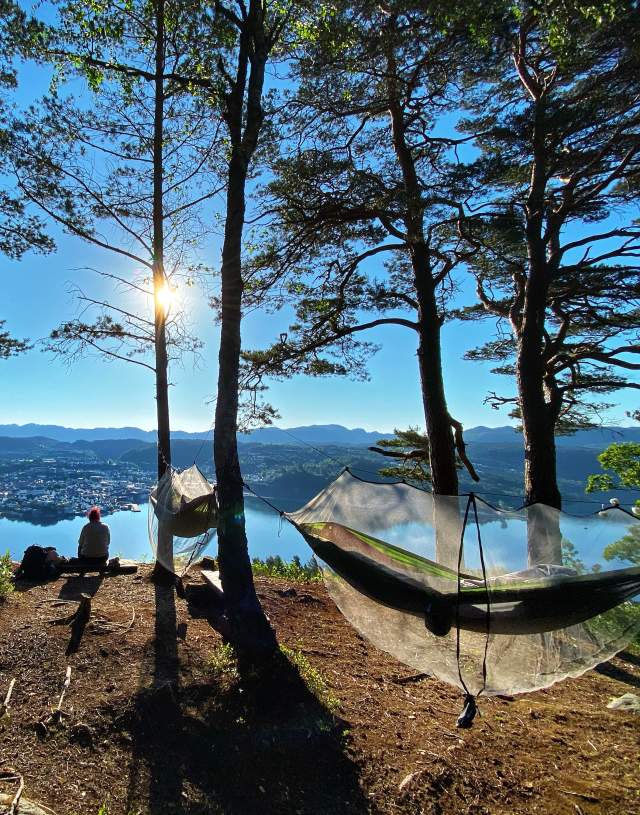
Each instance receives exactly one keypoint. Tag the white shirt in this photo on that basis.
(94, 540)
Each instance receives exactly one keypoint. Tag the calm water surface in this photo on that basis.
(130, 538)
(504, 539)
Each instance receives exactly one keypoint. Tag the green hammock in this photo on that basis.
(491, 601)
(527, 602)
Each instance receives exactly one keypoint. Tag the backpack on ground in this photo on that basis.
(39, 563)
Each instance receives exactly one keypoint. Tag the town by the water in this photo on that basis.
(47, 490)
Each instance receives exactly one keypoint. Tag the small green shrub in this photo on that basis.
(313, 679)
(223, 662)
(295, 570)
(6, 576)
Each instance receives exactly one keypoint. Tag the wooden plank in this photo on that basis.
(212, 579)
(74, 565)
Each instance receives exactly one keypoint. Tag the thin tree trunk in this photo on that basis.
(253, 636)
(164, 555)
(251, 631)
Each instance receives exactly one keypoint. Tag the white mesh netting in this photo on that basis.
(548, 575)
(182, 518)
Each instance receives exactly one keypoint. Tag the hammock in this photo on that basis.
(183, 515)
(532, 601)
(491, 601)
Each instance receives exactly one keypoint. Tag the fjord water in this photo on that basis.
(268, 535)
(129, 536)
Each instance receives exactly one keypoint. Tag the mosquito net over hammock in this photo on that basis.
(490, 601)
(183, 515)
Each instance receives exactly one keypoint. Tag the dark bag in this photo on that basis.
(39, 563)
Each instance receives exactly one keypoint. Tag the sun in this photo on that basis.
(166, 297)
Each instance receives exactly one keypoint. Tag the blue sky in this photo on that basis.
(38, 387)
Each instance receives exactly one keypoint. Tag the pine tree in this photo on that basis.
(359, 207)
(550, 221)
(121, 166)
(411, 450)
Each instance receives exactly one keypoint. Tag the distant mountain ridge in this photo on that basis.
(333, 434)
(598, 437)
(72, 434)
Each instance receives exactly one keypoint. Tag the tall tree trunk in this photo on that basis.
(444, 475)
(544, 538)
(538, 416)
(253, 636)
(164, 555)
(442, 456)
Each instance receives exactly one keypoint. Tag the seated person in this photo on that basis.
(93, 544)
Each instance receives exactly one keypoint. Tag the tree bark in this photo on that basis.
(252, 634)
(444, 476)
(164, 555)
(159, 280)
(538, 420)
(538, 412)
(544, 539)
(442, 457)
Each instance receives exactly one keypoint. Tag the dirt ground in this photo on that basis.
(155, 722)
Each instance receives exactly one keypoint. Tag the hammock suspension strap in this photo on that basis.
(465, 719)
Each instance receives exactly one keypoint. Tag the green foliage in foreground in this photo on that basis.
(295, 570)
(6, 576)
(312, 678)
(623, 464)
(223, 661)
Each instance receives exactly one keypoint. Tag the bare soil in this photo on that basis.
(151, 725)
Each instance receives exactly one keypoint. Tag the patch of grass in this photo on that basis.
(312, 678)
(294, 570)
(222, 661)
(6, 576)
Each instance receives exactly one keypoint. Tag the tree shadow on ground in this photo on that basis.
(75, 586)
(204, 604)
(239, 745)
(155, 720)
(615, 672)
(628, 656)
